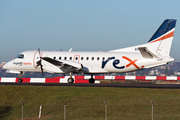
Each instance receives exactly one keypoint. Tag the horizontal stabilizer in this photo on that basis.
(147, 53)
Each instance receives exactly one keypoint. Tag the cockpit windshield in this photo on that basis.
(21, 56)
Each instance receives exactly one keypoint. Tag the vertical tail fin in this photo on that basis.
(160, 42)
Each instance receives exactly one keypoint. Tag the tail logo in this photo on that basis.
(165, 31)
(164, 37)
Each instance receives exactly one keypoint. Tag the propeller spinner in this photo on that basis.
(39, 63)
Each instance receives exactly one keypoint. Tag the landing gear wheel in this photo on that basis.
(70, 80)
(91, 80)
(20, 80)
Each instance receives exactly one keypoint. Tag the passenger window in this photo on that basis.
(70, 58)
(87, 58)
(76, 58)
(59, 58)
(81, 58)
(54, 57)
(92, 58)
(103, 58)
(64, 58)
(97, 58)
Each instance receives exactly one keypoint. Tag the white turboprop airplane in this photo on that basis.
(154, 53)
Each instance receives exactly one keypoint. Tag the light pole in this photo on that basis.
(65, 101)
(152, 102)
(22, 103)
(40, 111)
(105, 102)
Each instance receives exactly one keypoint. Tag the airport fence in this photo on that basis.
(94, 109)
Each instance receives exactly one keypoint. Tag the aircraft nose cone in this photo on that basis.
(4, 66)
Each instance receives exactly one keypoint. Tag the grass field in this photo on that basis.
(86, 103)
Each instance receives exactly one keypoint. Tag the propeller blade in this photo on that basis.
(39, 63)
(39, 52)
(42, 71)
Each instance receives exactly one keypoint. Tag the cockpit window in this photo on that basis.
(20, 56)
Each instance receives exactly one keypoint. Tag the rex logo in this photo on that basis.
(117, 61)
(131, 62)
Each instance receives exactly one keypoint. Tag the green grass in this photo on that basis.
(86, 103)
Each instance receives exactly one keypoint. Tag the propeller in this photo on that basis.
(39, 62)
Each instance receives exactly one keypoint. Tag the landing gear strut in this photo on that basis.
(20, 80)
(91, 80)
(70, 79)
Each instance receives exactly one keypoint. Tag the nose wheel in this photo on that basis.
(20, 80)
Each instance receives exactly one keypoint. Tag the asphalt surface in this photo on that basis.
(171, 86)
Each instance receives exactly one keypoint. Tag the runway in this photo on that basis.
(170, 86)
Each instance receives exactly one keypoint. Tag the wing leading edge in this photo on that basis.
(63, 64)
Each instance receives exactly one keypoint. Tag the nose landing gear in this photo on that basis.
(20, 80)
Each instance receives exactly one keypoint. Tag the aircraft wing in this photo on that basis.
(63, 64)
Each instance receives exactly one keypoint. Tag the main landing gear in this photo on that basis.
(70, 79)
(91, 80)
(20, 80)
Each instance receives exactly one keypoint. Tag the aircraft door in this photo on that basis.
(36, 58)
(76, 58)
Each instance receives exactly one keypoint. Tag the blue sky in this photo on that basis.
(84, 25)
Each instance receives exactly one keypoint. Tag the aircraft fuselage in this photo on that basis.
(92, 62)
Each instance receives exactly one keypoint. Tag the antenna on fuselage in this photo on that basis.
(70, 50)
